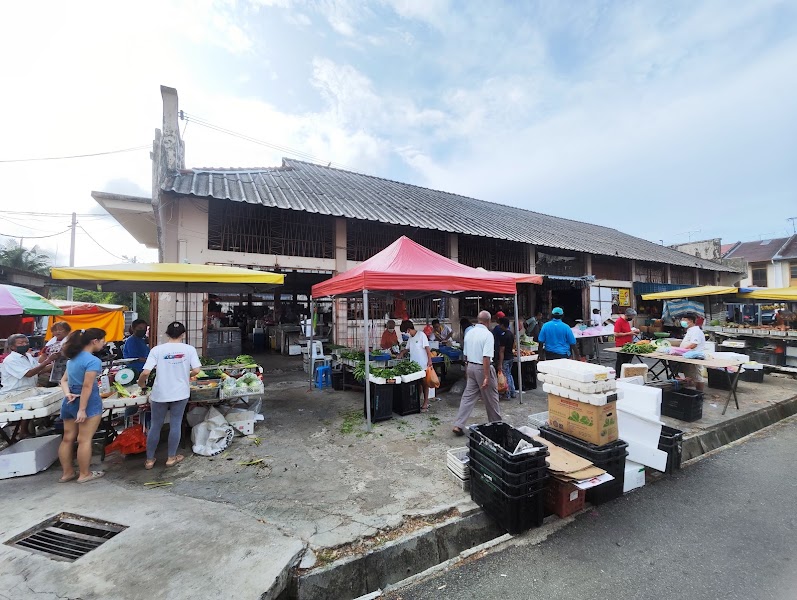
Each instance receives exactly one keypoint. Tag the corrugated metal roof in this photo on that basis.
(298, 185)
(759, 251)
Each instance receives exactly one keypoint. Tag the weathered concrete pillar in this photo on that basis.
(340, 308)
(453, 303)
(667, 274)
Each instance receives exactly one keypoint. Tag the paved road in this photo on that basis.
(724, 528)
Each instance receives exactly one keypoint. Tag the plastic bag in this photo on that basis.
(432, 380)
(213, 435)
(132, 440)
(503, 384)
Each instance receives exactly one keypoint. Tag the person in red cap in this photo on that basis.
(499, 315)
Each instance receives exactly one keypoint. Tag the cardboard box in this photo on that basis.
(594, 424)
(29, 456)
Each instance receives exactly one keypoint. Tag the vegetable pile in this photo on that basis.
(638, 348)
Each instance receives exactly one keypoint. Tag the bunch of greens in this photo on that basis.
(634, 348)
(407, 368)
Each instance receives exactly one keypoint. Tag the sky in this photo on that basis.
(667, 120)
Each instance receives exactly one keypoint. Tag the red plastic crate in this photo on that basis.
(563, 499)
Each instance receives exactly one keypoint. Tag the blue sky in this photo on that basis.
(658, 118)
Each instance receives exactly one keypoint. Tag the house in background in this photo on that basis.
(770, 263)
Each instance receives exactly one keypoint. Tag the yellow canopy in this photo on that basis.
(167, 277)
(788, 293)
(695, 292)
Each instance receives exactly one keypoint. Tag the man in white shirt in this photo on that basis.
(694, 340)
(481, 381)
(20, 370)
(418, 348)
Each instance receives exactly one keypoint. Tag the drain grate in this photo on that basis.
(66, 537)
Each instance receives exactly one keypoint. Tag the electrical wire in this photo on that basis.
(19, 160)
(34, 237)
(292, 151)
(100, 245)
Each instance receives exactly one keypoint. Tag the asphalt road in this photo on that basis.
(723, 528)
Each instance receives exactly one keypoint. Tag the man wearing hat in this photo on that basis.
(623, 334)
(556, 338)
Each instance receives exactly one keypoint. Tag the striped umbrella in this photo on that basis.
(20, 301)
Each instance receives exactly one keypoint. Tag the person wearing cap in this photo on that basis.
(389, 336)
(175, 363)
(623, 334)
(556, 338)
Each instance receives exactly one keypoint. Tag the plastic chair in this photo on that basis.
(323, 377)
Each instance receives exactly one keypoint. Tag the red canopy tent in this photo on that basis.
(407, 266)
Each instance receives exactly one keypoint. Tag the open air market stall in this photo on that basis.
(410, 270)
(82, 315)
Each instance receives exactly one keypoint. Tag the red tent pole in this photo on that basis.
(367, 361)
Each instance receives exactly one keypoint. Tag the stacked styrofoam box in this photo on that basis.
(582, 382)
(458, 463)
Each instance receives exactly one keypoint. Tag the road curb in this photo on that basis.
(720, 435)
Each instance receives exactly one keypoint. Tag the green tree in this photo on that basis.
(16, 256)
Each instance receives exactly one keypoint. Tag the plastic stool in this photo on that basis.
(323, 377)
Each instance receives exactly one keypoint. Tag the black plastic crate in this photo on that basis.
(381, 402)
(515, 514)
(533, 472)
(338, 380)
(752, 376)
(685, 405)
(671, 441)
(609, 457)
(407, 399)
(497, 441)
(534, 483)
(718, 379)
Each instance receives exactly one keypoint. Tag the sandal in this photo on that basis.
(65, 479)
(92, 476)
(425, 409)
(173, 461)
(148, 464)
(458, 432)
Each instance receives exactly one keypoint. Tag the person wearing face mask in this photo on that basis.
(623, 334)
(389, 336)
(418, 348)
(694, 340)
(19, 369)
(81, 410)
(137, 346)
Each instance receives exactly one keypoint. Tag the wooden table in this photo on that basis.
(663, 362)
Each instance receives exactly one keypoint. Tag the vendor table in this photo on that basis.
(19, 409)
(595, 347)
(662, 362)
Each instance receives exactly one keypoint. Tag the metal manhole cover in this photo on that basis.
(66, 537)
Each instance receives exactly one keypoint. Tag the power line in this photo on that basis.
(34, 237)
(19, 160)
(100, 245)
(292, 151)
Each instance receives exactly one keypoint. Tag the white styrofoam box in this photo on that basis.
(17, 395)
(593, 387)
(633, 368)
(753, 366)
(731, 356)
(642, 432)
(294, 350)
(635, 380)
(573, 369)
(634, 476)
(29, 456)
(733, 344)
(639, 398)
(595, 399)
(791, 350)
(40, 398)
(23, 415)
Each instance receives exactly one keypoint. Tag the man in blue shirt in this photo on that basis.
(137, 346)
(556, 338)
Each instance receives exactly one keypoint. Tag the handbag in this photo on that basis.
(503, 384)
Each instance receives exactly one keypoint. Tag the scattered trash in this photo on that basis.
(158, 483)
(503, 575)
(442, 587)
(251, 462)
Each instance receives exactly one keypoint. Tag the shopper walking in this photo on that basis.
(504, 345)
(481, 381)
(175, 364)
(556, 338)
(81, 410)
(623, 334)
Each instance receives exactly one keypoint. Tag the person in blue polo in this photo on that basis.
(556, 338)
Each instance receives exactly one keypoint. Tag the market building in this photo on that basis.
(310, 221)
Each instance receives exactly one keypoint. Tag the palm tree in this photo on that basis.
(16, 256)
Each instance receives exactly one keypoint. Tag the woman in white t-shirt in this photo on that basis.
(175, 363)
(694, 340)
(418, 349)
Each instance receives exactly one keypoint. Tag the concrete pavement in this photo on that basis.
(724, 528)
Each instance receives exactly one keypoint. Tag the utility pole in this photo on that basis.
(72, 254)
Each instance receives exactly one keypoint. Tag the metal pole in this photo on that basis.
(69, 289)
(519, 357)
(367, 361)
(135, 299)
(311, 362)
